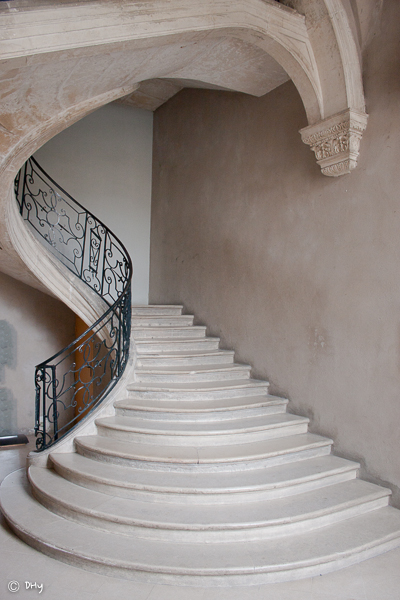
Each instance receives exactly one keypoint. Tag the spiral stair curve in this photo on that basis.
(190, 472)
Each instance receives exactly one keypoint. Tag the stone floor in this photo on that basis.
(375, 579)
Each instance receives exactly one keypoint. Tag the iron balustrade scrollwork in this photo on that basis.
(73, 381)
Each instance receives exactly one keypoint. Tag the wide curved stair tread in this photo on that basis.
(202, 386)
(188, 345)
(253, 562)
(221, 408)
(199, 368)
(199, 390)
(228, 431)
(253, 519)
(200, 477)
(157, 310)
(168, 332)
(180, 358)
(222, 486)
(228, 456)
(162, 321)
(198, 372)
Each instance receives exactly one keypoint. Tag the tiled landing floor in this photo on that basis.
(375, 579)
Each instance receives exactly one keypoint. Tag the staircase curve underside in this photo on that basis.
(198, 477)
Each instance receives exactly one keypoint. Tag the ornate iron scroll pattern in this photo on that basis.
(73, 381)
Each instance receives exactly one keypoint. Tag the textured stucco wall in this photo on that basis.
(105, 162)
(299, 273)
(33, 327)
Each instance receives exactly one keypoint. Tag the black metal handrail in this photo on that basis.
(73, 381)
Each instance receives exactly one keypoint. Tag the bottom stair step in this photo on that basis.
(225, 564)
(248, 519)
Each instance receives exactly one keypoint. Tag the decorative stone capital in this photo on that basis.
(336, 141)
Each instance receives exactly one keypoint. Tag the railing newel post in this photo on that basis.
(54, 399)
(37, 401)
(25, 168)
(83, 248)
(44, 415)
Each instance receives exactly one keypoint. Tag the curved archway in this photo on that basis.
(86, 60)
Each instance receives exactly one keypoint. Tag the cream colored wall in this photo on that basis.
(104, 161)
(33, 327)
(298, 272)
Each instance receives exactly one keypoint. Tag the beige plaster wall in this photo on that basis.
(299, 273)
(105, 161)
(33, 327)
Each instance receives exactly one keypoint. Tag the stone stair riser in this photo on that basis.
(199, 417)
(196, 394)
(220, 439)
(217, 375)
(144, 333)
(148, 346)
(162, 321)
(203, 407)
(156, 310)
(172, 361)
(222, 465)
(187, 496)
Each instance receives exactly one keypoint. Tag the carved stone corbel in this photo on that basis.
(336, 141)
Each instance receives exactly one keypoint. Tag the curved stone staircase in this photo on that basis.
(200, 477)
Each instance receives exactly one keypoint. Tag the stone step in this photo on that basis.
(200, 478)
(242, 521)
(198, 391)
(168, 333)
(213, 433)
(237, 563)
(189, 344)
(156, 309)
(201, 410)
(162, 321)
(204, 487)
(191, 374)
(223, 458)
(171, 359)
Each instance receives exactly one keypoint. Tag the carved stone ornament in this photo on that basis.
(336, 141)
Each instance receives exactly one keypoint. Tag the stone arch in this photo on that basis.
(49, 81)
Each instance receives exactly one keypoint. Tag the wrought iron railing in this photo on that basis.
(73, 381)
